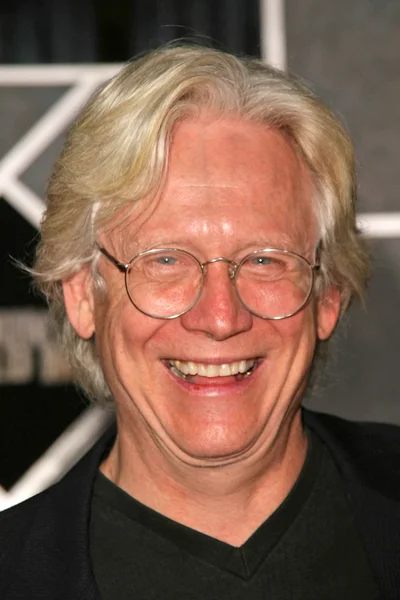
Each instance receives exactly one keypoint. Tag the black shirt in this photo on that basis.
(307, 549)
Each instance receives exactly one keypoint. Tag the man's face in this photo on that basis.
(232, 187)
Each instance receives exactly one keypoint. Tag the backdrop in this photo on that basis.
(350, 54)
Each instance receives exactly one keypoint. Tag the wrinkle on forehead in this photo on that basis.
(207, 152)
(226, 178)
(208, 185)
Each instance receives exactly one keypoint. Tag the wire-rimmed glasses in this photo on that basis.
(165, 283)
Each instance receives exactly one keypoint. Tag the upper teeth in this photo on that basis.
(206, 370)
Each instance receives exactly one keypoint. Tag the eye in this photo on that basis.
(165, 265)
(264, 266)
(166, 260)
(262, 260)
(266, 260)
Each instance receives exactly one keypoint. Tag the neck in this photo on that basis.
(210, 499)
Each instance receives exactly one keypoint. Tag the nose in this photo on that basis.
(218, 313)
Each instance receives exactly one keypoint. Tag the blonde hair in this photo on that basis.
(116, 154)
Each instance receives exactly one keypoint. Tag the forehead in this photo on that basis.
(227, 150)
(228, 177)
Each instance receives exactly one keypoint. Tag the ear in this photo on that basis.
(79, 302)
(328, 309)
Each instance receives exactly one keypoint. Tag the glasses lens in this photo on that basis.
(274, 284)
(164, 283)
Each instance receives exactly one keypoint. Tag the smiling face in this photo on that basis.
(216, 384)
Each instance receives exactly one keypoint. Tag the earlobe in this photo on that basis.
(79, 302)
(328, 310)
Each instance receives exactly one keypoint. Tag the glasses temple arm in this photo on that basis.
(120, 266)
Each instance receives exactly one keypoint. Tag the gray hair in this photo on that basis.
(116, 154)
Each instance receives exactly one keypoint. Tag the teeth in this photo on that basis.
(201, 370)
(206, 370)
(243, 366)
(192, 368)
(235, 368)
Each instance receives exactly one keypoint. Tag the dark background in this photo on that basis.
(349, 51)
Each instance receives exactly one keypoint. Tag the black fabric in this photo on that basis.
(111, 502)
(44, 542)
(309, 547)
(367, 455)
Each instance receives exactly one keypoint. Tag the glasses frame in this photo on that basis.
(233, 270)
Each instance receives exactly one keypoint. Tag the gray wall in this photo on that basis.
(350, 51)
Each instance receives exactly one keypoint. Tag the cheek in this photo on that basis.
(298, 333)
(127, 335)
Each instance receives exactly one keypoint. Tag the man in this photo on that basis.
(198, 247)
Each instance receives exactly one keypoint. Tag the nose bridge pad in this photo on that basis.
(231, 266)
(232, 269)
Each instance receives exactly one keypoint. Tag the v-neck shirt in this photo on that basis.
(309, 548)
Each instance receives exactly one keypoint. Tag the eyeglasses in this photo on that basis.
(165, 283)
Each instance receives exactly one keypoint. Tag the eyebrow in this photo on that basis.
(131, 248)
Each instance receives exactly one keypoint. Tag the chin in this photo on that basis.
(215, 445)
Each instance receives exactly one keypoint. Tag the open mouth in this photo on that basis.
(191, 371)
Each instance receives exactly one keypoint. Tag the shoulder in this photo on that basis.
(353, 431)
(33, 517)
(17, 519)
(369, 451)
(45, 531)
(361, 435)
(24, 529)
